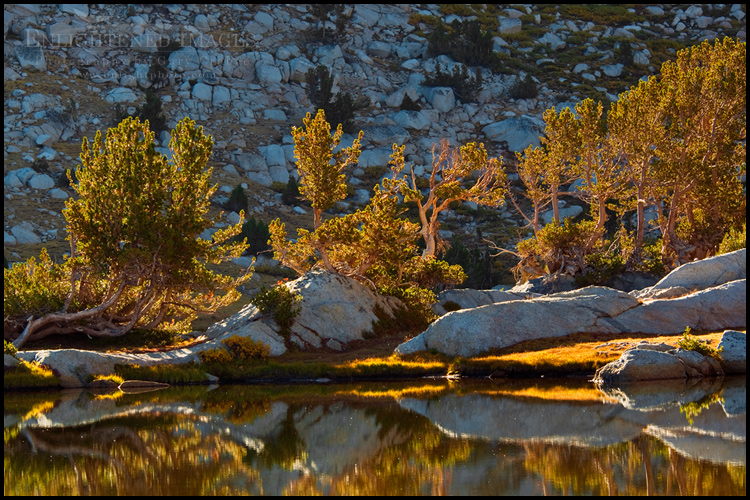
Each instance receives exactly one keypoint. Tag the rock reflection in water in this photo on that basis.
(432, 437)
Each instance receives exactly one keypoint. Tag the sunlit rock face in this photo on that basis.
(472, 331)
(706, 295)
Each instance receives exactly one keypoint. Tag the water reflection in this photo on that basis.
(431, 437)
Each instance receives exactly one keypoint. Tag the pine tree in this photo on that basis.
(136, 257)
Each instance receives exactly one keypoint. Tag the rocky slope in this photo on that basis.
(238, 70)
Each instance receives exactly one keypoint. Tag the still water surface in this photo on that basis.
(429, 437)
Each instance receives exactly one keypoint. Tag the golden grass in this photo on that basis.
(577, 353)
(29, 375)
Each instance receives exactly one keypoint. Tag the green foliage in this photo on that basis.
(675, 142)
(602, 14)
(290, 194)
(734, 240)
(325, 15)
(374, 244)
(255, 232)
(322, 181)
(281, 303)
(187, 373)
(340, 108)
(649, 260)
(601, 267)
(414, 317)
(465, 42)
(476, 263)
(239, 349)
(138, 261)
(149, 111)
(691, 343)
(555, 246)
(626, 54)
(33, 288)
(464, 85)
(9, 348)
(524, 89)
(237, 201)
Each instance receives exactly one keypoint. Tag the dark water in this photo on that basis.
(430, 437)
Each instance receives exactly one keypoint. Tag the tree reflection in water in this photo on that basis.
(245, 441)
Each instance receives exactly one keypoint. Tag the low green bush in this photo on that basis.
(281, 303)
(9, 348)
(690, 343)
(187, 373)
(29, 375)
(150, 110)
(601, 267)
(237, 200)
(465, 42)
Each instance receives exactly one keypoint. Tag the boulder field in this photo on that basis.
(703, 295)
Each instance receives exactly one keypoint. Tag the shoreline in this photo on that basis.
(572, 356)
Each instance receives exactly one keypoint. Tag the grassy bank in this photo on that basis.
(577, 354)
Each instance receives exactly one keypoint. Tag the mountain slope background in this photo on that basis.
(239, 71)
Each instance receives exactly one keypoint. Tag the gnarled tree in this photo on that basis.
(458, 174)
(137, 260)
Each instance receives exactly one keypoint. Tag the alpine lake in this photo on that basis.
(430, 436)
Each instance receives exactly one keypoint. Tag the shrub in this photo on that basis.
(601, 267)
(324, 15)
(690, 343)
(40, 165)
(9, 348)
(464, 86)
(290, 194)
(214, 356)
(245, 348)
(524, 89)
(733, 240)
(556, 245)
(339, 109)
(237, 201)
(281, 303)
(28, 375)
(464, 42)
(257, 235)
(150, 110)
